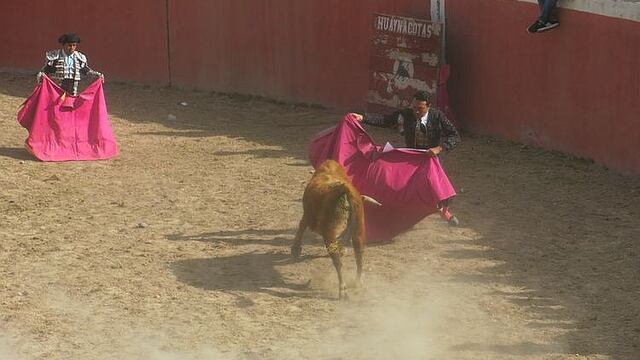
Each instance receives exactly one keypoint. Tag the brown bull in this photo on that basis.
(333, 208)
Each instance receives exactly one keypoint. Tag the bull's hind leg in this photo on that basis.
(358, 250)
(335, 251)
(356, 222)
(296, 248)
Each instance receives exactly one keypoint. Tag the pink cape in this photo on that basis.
(67, 127)
(407, 183)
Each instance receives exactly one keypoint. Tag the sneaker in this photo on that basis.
(548, 25)
(540, 26)
(533, 28)
(453, 221)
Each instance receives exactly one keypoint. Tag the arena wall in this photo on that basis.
(127, 40)
(306, 51)
(574, 89)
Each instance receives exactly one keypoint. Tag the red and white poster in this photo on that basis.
(405, 57)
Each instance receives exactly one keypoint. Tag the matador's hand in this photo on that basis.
(434, 151)
(357, 116)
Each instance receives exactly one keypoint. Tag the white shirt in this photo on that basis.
(423, 119)
(69, 65)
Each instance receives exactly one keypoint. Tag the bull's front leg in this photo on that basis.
(296, 248)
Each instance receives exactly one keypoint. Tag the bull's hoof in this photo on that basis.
(342, 294)
(296, 251)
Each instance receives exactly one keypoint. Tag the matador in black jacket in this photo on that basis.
(423, 127)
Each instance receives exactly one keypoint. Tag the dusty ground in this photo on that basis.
(178, 248)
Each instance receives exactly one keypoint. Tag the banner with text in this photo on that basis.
(404, 58)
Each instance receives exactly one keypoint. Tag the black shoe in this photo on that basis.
(533, 28)
(548, 25)
(540, 26)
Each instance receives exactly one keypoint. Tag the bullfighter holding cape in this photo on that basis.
(408, 184)
(64, 125)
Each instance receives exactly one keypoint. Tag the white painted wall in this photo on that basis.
(622, 9)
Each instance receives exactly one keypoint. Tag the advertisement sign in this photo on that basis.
(404, 58)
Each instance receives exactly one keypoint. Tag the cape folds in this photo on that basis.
(64, 127)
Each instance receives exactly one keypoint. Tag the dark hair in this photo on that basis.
(69, 38)
(422, 96)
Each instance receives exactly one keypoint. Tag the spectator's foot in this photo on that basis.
(533, 28)
(540, 26)
(548, 25)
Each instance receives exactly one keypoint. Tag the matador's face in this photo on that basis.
(420, 108)
(69, 48)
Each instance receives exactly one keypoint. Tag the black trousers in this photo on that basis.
(70, 86)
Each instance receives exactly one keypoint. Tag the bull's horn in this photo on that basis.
(370, 200)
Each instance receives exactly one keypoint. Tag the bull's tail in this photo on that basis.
(346, 202)
(355, 224)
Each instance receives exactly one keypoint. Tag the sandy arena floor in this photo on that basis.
(178, 248)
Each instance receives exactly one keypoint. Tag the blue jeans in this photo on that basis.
(546, 8)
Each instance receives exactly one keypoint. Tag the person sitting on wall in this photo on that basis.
(423, 127)
(67, 65)
(546, 20)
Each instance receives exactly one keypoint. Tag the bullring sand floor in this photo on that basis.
(178, 248)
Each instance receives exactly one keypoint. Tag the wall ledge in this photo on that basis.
(620, 9)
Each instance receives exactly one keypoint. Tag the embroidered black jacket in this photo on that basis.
(439, 131)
